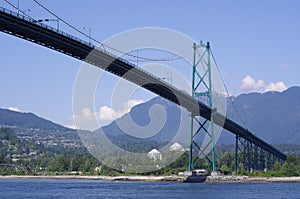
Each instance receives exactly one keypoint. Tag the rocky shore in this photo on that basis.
(246, 179)
(210, 179)
(107, 178)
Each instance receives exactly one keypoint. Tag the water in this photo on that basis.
(33, 188)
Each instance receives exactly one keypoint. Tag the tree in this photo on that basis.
(225, 169)
(227, 159)
(276, 166)
(291, 167)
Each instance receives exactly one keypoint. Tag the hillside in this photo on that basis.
(35, 129)
(13, 147)
(149, 125)
(27, 120)
(272, 116)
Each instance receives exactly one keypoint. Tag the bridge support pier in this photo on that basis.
(236, 154)
(253, 157)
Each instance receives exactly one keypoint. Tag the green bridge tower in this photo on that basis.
(202, 90)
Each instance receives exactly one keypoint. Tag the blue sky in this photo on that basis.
(254, 42)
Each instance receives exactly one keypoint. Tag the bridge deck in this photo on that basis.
(28, 29)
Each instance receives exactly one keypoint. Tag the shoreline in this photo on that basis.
(250, 179)
(210, 179)
(103, 178)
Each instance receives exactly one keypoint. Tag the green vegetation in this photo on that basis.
(20, 157)
(291, 167)
(23, 157)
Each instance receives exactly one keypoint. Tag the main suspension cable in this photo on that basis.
(174, 57)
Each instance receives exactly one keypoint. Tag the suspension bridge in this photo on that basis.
(256, 153)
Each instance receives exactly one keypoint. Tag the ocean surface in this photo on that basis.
(39, 188)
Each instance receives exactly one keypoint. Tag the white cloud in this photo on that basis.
(108, 114)
(14, 109)
(88, 119)
(131, 103)
(251, 85)
(278, 86)
(72, 126)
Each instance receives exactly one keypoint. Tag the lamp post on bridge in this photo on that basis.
(27, 10)
(18, 6)
(18, 9)
(90, 34)
(170, 78)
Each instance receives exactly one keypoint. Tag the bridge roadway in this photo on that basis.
(33, 31)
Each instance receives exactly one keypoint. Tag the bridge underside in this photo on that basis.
(33, 31)
(253, 157)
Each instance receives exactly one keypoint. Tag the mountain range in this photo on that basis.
(272, 116)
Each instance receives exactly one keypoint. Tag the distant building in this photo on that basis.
(98, 169)
(155, 154)
(176, 147)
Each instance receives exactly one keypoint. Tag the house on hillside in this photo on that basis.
(176, 147)
(155, 154)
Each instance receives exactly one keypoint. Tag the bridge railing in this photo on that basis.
(31, 20)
